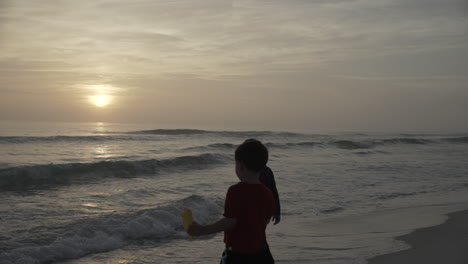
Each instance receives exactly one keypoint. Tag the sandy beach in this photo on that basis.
(446, 243)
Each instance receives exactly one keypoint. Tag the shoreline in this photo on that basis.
(443, 243)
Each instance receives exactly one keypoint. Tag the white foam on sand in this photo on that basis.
(354, 238)
(433, 245)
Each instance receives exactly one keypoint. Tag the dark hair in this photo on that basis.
(253, 154)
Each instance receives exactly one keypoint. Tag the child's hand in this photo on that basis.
(195, 229)
(276, 219)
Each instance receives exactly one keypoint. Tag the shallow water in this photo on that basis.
(111, 193)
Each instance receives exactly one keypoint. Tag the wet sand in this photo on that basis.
(442, 244)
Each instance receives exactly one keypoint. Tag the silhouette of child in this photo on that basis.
(248, 208)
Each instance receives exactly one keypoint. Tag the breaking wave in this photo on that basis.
(24, 177)
(108, 232)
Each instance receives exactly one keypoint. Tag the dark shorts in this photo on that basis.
(262, 257)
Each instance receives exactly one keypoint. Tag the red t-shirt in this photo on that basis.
(252, 205)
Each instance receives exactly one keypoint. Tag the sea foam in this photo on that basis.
(111, 232)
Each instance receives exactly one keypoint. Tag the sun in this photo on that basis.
(101, 100)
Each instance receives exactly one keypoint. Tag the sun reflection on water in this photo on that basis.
(101, 151)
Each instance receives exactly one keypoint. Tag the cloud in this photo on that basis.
(308, 57)
(210, 38)
(12, 65)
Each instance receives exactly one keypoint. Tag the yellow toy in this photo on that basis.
(187, 219)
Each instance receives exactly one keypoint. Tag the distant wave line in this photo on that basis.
(224, 133)
(321, 140)
(342, 144)
(60, 138)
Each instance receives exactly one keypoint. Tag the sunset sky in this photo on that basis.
(297, 65)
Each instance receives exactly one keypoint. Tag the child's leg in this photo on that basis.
(230, 257)
(263, 257)
(223, 257)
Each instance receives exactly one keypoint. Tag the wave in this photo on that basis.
(351, 145)
(137, 135)
(369, 152)
(407, 141)
(418, 135)
(170, 132)
(304, 144)
(222, 133)
(108, 232)
(332, 210)
(229, 146)
(297, 144)
(26, 177)
(341, 144)
(457, 140)
(218, 146)
(367, 144)
(347, 144)
(315, 140)
(398, 194)
(54, 139)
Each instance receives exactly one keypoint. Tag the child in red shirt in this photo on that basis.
(248, 208)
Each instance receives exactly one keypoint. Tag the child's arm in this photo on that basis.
(221, 225)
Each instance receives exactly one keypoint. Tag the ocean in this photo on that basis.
(112, 193)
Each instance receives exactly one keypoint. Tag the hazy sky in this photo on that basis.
(316, 65)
